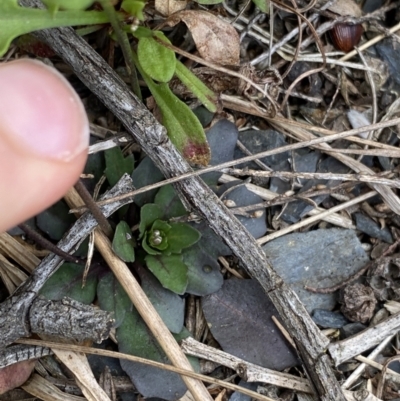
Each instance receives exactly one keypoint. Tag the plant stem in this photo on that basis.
(46, 244)
(94, 208)
(125, 45)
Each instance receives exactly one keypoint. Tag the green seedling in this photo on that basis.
(163, 242)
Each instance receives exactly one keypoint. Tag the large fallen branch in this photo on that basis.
(140, 123)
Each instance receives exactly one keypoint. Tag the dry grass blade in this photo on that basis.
(387, 194)
(372, 179)
(315, 218)
(44, 390)
(16, 251)
(78, 364)
(112, 354)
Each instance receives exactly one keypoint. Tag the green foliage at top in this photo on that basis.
(55, 5)
(263, 5)
(158, 61)
(154, 61)
(184, 128)
(134, 8)
(16, 21)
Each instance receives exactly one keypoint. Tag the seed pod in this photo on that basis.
(346, 36)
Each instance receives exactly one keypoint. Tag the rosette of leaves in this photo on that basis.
(163, 242)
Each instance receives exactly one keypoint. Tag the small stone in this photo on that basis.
(222, 138)
(146, 173)
(379, 317)
(351, 329)
(239, 318)
(319, 258)
(241, 196)
(328, 319)
(261, 141)
(236, 396)
(368, 226)
(389, 53)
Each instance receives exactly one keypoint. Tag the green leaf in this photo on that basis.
(134, 8)
(67, 282)
(141, 32)
(113, 298)
(161, 226)
(181, 236)
(135, 338)
(123, 243)
(117, 165)
(146, 173)
(55, 5)
(170, 203)
(55, 220)
(170, 306)
(149, 213)
(204, 276)
(170, 271)
(147, 247)
(155, 59)
(197, 87)
(184, 128)
(263, 5)
(16, 20)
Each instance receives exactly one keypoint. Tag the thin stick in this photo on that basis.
(94, 208)
(34, 235)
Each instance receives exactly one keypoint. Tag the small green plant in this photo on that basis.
(168, 257)
(162, 243)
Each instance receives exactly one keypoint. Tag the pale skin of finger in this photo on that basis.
(44, 135)
(29, 185)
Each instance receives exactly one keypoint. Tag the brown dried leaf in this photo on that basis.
(216, 40)
(168, 7)
(14, 375)
(346, 7)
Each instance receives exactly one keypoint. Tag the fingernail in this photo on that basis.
(40, 113)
